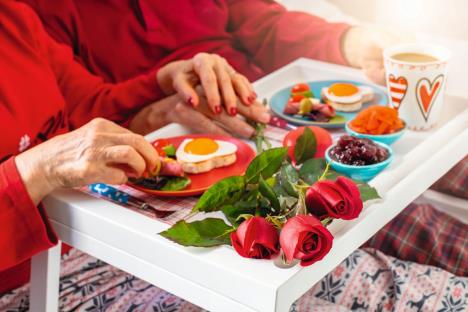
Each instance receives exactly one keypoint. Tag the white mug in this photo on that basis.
(417, 89)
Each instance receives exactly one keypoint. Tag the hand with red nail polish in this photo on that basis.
(220, 82)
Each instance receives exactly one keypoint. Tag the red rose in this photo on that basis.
(255, 238)
(338, 199)
(305, 238)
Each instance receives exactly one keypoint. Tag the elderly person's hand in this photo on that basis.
(363, 48)
(100, 151)
(200, 119)
(221, 83)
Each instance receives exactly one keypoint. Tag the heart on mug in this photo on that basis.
(398, 87)
(427, 92)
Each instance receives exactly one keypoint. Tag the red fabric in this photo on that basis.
(121, 39)
(40, 88)
(454, 182)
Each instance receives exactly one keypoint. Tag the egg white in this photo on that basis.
(342, 99)
(367, 93)
(224, 148)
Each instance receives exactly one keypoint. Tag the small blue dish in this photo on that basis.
(388, 139)
(361, 173)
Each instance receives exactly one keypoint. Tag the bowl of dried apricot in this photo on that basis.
(378, 123)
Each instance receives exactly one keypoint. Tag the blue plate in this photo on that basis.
(280, 98)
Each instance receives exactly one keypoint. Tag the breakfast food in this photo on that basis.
(169, 177)
(302, 102)
(164, 148)
(346, 97)
(300, 91)
(377, 120)
(358, 152)
(203, 154)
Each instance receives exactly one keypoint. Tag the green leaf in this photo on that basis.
(367, 192)
(220, 193)
(266, 164)
(306, 146)
(337, 119)
(287, 202)
(170, 150)
(205, 233)
(289, 176)
(267, 191)
(233, 213)
(332, 175)
(176, 184)
(259, 137)
(312, 170)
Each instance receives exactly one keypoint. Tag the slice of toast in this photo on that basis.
(207, 165)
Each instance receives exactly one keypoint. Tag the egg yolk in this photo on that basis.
(201, 146)
(343, 89)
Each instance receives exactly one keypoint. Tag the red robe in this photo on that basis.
(119, 39)
(43, 93)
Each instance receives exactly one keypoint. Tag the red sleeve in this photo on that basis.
(61, 16)
(24, 229)
(275, 37)
(88, 96)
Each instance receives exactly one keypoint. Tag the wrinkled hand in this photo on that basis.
(363, 48)
(222, 84)
(100, 151)
(201, 119)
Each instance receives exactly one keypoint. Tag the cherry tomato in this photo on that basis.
(324, 140)
(297, 97)
(300, 87)
(159, 145)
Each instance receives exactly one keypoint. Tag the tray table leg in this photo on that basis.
(45, 278)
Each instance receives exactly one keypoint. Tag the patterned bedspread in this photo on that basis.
(367, 280)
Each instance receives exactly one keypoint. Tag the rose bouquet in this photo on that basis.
(277, 206)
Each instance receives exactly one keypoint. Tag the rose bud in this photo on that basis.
(255, 238)
(338, 199)
(304, 238)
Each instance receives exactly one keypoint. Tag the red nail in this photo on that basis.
(233, 111)
(218, 109)
(190, 101)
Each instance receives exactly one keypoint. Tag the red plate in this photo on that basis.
(201, 182)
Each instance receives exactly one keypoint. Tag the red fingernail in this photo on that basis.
(218, 109)
(233, 111)
(190, 101)
(251, 99)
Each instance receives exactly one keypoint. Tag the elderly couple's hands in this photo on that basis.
(200, 119)
(210, 93)
(221, 83)
(100, 151)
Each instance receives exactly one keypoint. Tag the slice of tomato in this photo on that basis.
(300, 87)
(324, 140)
(159, 146)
